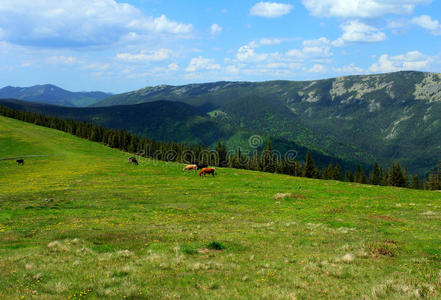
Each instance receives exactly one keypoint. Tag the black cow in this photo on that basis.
(20, 161)
(133, 160)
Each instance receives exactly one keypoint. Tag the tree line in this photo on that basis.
(264, 161)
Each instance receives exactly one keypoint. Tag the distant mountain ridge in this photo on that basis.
(51, 94)
(385, 117)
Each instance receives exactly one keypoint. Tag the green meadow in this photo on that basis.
(81, 222)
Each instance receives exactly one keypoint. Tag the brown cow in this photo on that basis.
(206, 171)
(190, 167)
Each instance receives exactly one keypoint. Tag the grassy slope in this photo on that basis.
(84, 222)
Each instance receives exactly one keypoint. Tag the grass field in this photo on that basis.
(83, 223)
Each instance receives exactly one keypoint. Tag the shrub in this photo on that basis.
(215, 246)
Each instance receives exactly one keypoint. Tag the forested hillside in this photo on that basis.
(387, 117)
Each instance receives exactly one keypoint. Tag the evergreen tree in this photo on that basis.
(268, 159)
(433, 181)
(337, 172)
(349, 176)
(375, 176)
(310, 170)
(221, 151)
(298, 169)
(328, 173)
(415, 182)
(396, 177)
(385, 177)
(406, 177)
(360, 176)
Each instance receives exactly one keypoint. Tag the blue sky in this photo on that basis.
(118, 46)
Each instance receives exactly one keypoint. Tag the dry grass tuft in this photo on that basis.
(125, 253)
(57, 246)
(279, 196)
(348, 258)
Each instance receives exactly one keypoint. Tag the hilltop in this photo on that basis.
(83, 222)
(51, 94)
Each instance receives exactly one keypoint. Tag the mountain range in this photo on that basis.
(51, 94)
(366, 118)
(384, 117)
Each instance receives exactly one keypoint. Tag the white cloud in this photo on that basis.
(160, 25)
(151, 56)
(270, 9)
(317, 68)
(54, 23)
(360, 8)
(202, 63)
(232, 70)
(173, 67)
(215, 29)
(248, 54)
(358, 32)
(312, 49)
(270, 41)
(62, 60)
(413, 60)
(428, 23)
(350, 69)
(250, 62)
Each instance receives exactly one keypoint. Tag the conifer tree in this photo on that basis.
(268, 159)
(396, 177)
(337, 172)
(406, 177)
(310, 170)
(415, 182)
(349, 176)
(360, 176)
(375, 176)
(433, 181)
(221, 151)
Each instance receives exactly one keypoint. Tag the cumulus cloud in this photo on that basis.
(202, 63)
(173, 67)
(413, 60)
(317, 68)
(270, 9)
(312, 57)
(428, 23)
(312, 49)
(160, 24)
(350, 69)
(360, 8)
(151, 56)
(247, 53)
(215, 29)
(54, 23)
(358, 32)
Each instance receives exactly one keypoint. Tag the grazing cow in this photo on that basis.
(190, 167)
(133, 160)
(20, 161)
(206, 171)
(201, 166)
